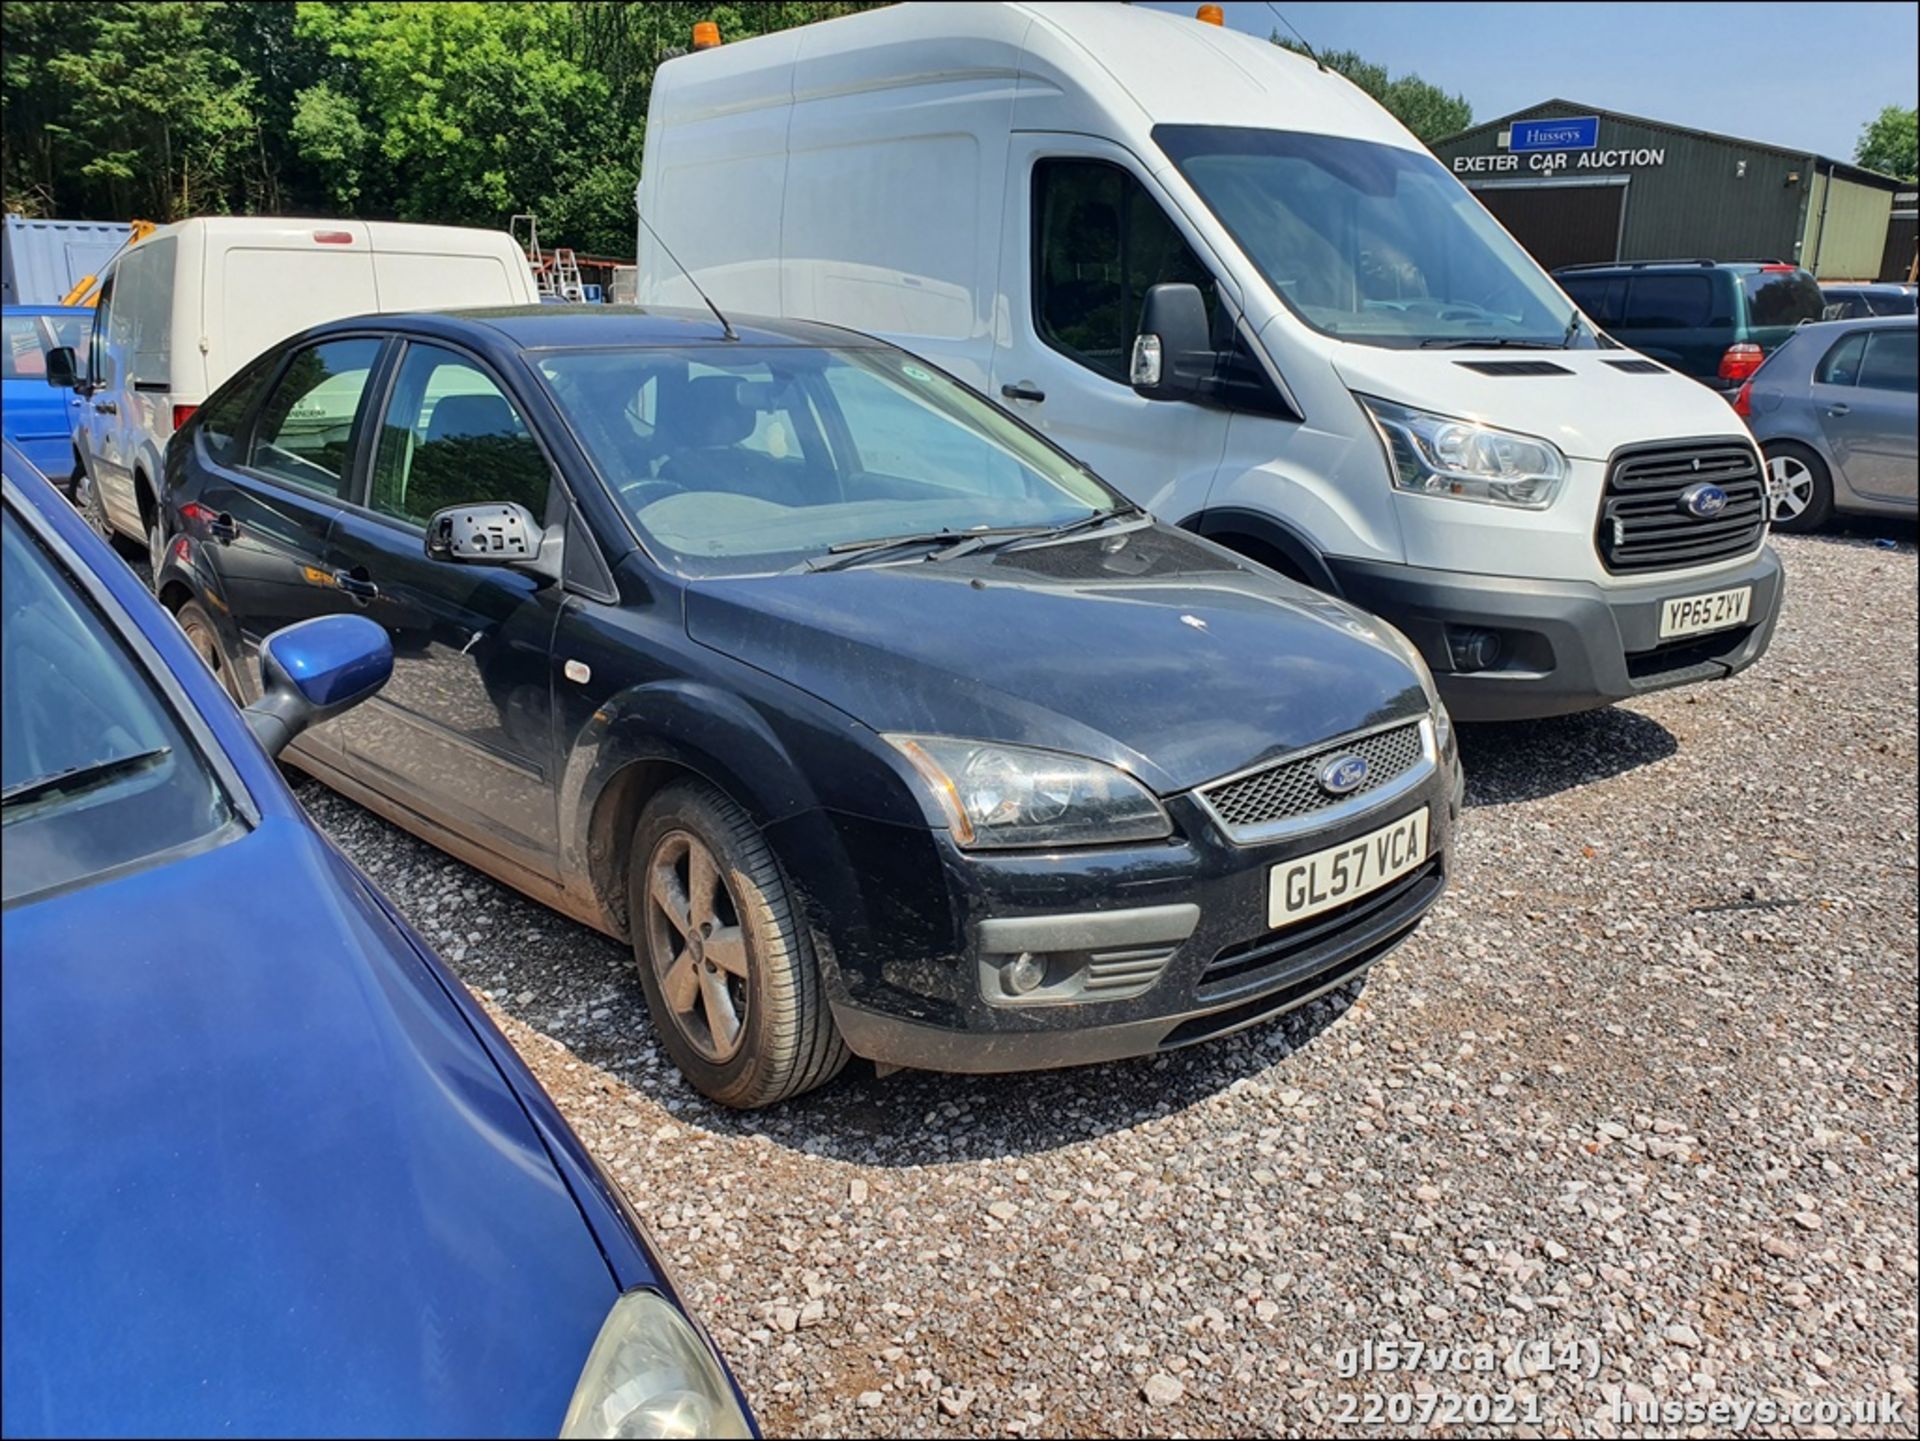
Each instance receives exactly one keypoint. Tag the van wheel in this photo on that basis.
(86, 497)
(198, 626)
(724, 956)
(1799, 488)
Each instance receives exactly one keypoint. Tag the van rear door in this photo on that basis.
(1088, 231)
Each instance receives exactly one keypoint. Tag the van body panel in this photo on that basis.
(884, 171)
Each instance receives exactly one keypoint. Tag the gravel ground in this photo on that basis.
(1644, 1081)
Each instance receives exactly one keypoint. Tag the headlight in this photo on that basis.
(650, 1374)
(1438, 455)
(998, 795)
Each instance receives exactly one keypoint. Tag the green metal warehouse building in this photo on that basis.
(1575, 183)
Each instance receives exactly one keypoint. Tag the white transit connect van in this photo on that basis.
(1346, 368)
(188, 306)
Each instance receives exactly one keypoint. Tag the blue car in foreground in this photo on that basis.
(35, 415)
(268, 1168)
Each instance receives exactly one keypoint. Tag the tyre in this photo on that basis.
(86, 499)
(198, 626)
(1799, 487)
(724, 955)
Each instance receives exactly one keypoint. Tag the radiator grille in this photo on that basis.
(1644, 524)
(1292, 788)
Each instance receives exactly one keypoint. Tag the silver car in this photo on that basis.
(1834, 408)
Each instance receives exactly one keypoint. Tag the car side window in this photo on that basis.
(1669, 302)
(1100, 241)
(451, 437)
(222, 419)
(305, 433)
(1598, 296)
(1891, 361)
(1841, 365)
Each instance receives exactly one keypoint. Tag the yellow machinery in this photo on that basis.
(87, 291)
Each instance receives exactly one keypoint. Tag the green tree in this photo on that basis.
(1424, 108)
(1888, 143)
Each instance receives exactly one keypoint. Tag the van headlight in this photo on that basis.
(1000, 795)
(1439, 455)
(651, 1374)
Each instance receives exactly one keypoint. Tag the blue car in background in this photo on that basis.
(268, 1168)
(38, 417)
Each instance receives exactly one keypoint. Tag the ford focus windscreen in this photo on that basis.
(1370, 242)
(741, 459)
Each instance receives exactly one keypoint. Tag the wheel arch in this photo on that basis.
(1270, 541)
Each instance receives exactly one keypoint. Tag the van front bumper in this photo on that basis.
(1564, 646)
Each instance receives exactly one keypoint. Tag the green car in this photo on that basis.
(1715, 322)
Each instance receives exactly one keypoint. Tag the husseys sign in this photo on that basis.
(1559, 143)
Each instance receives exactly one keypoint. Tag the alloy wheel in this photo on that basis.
(1789, 487)
(697, 945)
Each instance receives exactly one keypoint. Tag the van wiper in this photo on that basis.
(1073, 527)
(1487, 342)
(77, 780)
(957, 542)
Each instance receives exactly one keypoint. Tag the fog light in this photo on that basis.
(1472, 649)
(1026, 972)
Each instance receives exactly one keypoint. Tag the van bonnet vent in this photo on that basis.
(1638, 367)
(1514, 367)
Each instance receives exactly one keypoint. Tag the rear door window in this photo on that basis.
(1890, 361)
(1782, 297)
(1669, 302)
(1841, 365)
(305, 433)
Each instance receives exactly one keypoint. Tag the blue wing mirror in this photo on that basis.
(316, 669)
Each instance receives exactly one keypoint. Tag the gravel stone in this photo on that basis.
(1664, 1017)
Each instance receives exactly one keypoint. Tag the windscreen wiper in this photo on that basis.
(77, 780)
(957, 542)
(1486, 342)
(1073, 527)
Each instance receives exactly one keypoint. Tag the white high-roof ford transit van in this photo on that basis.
(185, 308)
(1353, 373)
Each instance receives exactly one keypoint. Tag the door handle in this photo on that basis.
(356, 583)
(223, 528)
(106, 407)
(1023, 390)
(1841, 409)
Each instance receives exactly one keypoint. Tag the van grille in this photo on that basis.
(1644, 526)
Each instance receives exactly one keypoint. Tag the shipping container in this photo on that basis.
(41, 260)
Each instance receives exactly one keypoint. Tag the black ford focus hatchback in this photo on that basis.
(877, 724)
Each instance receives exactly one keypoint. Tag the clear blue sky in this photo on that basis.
(1798, 75)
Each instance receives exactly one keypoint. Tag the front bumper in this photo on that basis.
(1566, 645)
(1174, 937)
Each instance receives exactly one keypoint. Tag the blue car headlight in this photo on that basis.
(651, 1374)
(994, 795)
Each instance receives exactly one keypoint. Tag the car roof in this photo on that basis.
(1737, 267)
(47, 310)
(570, 327)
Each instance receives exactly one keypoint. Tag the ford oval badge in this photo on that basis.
(1705, 501)
(1343, 775)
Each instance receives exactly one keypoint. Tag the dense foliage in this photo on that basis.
(1890, 144)
(1425, 109)
(457, 113)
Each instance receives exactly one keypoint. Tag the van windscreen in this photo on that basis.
(1370, 242)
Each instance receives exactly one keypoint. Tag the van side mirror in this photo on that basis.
(1173, 355)
(314, 669)
(62, 369)
(497, 533)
